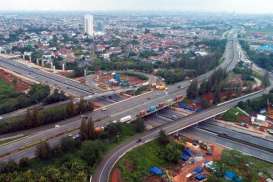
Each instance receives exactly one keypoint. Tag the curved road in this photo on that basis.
(132, 106)
(231, 58)
(104, 169)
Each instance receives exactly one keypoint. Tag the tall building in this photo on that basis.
(89, 25)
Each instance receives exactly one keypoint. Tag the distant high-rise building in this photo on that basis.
(89, 25)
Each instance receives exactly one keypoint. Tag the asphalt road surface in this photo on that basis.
(67, 85)
(104, 169)
(118, 110)
(246, 148)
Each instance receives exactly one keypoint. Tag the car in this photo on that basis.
(139, 140)
(174, 116)
(77, 136)
(104, 109)
(57, 126)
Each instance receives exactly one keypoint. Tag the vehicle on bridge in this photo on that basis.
(151, 109)
(126, 119)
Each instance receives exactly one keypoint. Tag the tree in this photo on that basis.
(83, 106)
(139, 125)
(203, 88)
(55, 97)
(38, 93)
(172, 152)
(43, 151)
(8, 167)
(91, 151)
(192, 91)
(163, 138)
(68, 144)
(24, 162)
(91, 131)
(70, 108)
(32, 117)
(217, 97)
(83, 129)
(265, 79)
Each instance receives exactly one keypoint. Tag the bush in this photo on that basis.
(139, 125)
(172, 152)
(43, 151)
(68, 144)
(24, 162)
(8, 167)
(91, 151)
(163, 138)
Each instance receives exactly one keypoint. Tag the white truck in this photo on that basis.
(126, 119)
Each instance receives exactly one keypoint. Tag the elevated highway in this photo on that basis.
(132, 106)
(104, 170)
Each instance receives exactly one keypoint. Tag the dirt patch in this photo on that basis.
(116, 175)
(217, 152)
(187, 167)
(19, 84)
(153, 179)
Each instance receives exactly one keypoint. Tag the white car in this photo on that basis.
(57, 126)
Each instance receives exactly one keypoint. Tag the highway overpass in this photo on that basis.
(104, 169)
(26, 146)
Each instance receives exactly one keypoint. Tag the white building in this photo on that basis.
(260, 120)
(89, 25)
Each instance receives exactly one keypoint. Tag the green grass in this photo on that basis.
(140, 160)
(232, 115)
(5, 88)
(245, 166)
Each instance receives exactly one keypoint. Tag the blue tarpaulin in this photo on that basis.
(200, 177)
(185, 106)
(197, 170)
(230, 175)
(156, 171)
(185, 157)
(186, 154)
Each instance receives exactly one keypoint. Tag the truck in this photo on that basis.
(161, 87)
(142, 113)
(126, 119)
(160, 105)
(99, 130)
(179, 97)
(169, 101)
(151, 109)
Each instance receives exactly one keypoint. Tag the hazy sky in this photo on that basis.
(243, 6)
